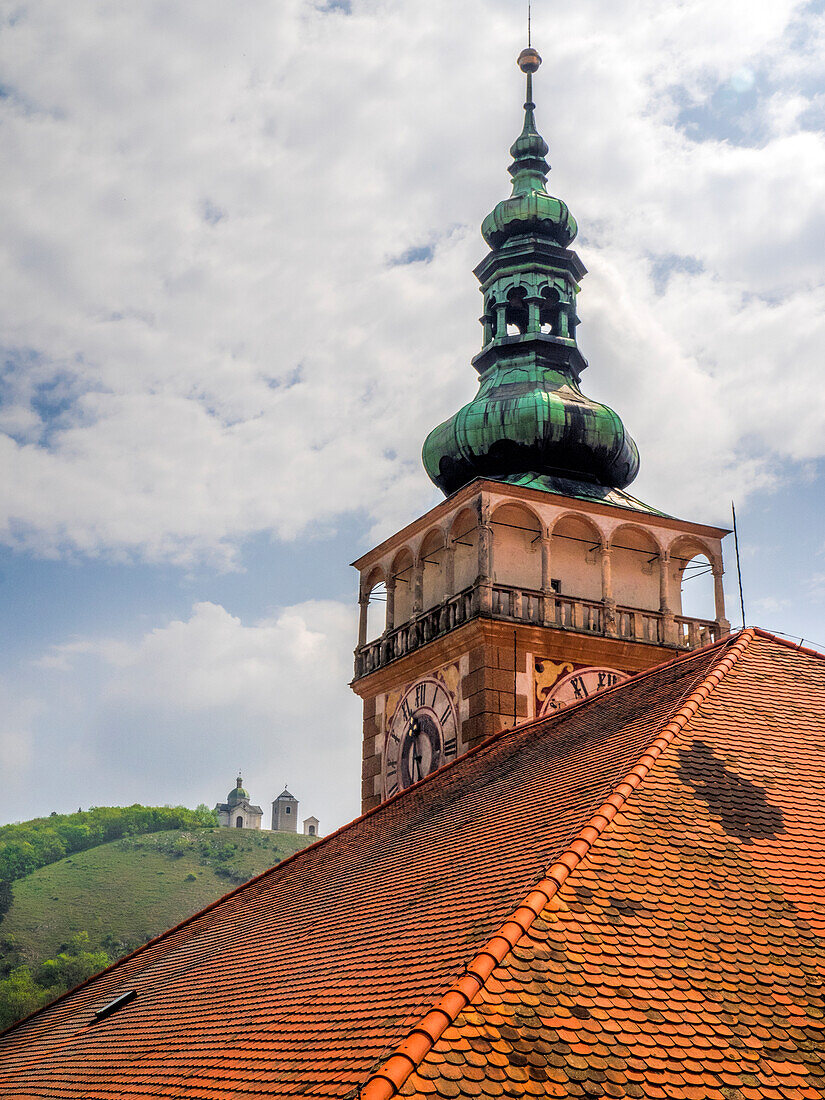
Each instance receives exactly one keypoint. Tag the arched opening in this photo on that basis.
(574, 559)
(402, 575)
(516, 547)
(432, 562)
(377, 611)
(376, 605)
(692, 588)
(464, 539)
(549, 310)
(635, 569)
(490, 320)
(516, 315)
(311, 830)
(238, 822)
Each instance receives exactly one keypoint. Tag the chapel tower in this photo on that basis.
(539, 579)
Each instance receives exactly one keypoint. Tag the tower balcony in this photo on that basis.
(523, 605)
(515, 554)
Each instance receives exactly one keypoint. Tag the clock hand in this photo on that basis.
(415, 756)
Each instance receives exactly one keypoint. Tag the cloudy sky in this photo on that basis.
(236, 293)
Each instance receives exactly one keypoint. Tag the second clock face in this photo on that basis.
(423, 735)
(578, 685)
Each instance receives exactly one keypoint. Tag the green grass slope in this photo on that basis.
(123, 893)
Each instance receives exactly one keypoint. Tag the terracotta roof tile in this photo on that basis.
(732, 812)
(624, 899)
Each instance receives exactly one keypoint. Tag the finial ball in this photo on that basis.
(529, 60)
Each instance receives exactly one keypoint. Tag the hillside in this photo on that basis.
(118, 895)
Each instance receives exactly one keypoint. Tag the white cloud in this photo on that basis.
(207, 338)
(769, 605)
(171, 715)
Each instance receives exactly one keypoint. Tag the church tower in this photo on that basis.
(539, 579)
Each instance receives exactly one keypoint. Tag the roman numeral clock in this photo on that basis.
(577, 685)
(422, 734)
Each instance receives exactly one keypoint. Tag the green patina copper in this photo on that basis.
(529, 423)
(583, 490)
(529, 208)
(236, 794)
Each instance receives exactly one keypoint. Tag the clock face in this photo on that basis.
(579, 685)
(423, 735)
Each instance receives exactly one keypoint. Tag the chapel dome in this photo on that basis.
(237, 794)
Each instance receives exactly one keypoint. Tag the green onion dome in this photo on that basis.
(529, 209)
(529, 212)
(529, 419)
(237, 793)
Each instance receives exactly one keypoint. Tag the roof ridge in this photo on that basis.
(386, 1081)
(724, 643)
(797, 648)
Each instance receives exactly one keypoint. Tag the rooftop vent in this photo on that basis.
(113, 1006)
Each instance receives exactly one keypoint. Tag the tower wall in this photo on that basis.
(558, 586)
(502, 673)
(285, 815)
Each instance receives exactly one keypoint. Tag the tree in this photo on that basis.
(73, 965)
(19, 995)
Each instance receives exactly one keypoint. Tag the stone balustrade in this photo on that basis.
(542, 609)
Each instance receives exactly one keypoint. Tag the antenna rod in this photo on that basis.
(738, 563)
(529, 6)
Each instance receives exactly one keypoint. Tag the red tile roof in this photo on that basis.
(623, 899)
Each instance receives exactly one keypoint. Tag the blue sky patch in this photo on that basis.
(730, 112)
(417, 254)
(665, 264)
(287, 381)
(212, 213)
(51, 399)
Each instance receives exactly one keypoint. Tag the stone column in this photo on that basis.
(501, 323)
(449, 569)
(364, 607)
(608, 603)
(484, 582)
(418, 586)
(664, 583)
(669, 634)
(390, 620)
(722, 624)
(548, 606)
